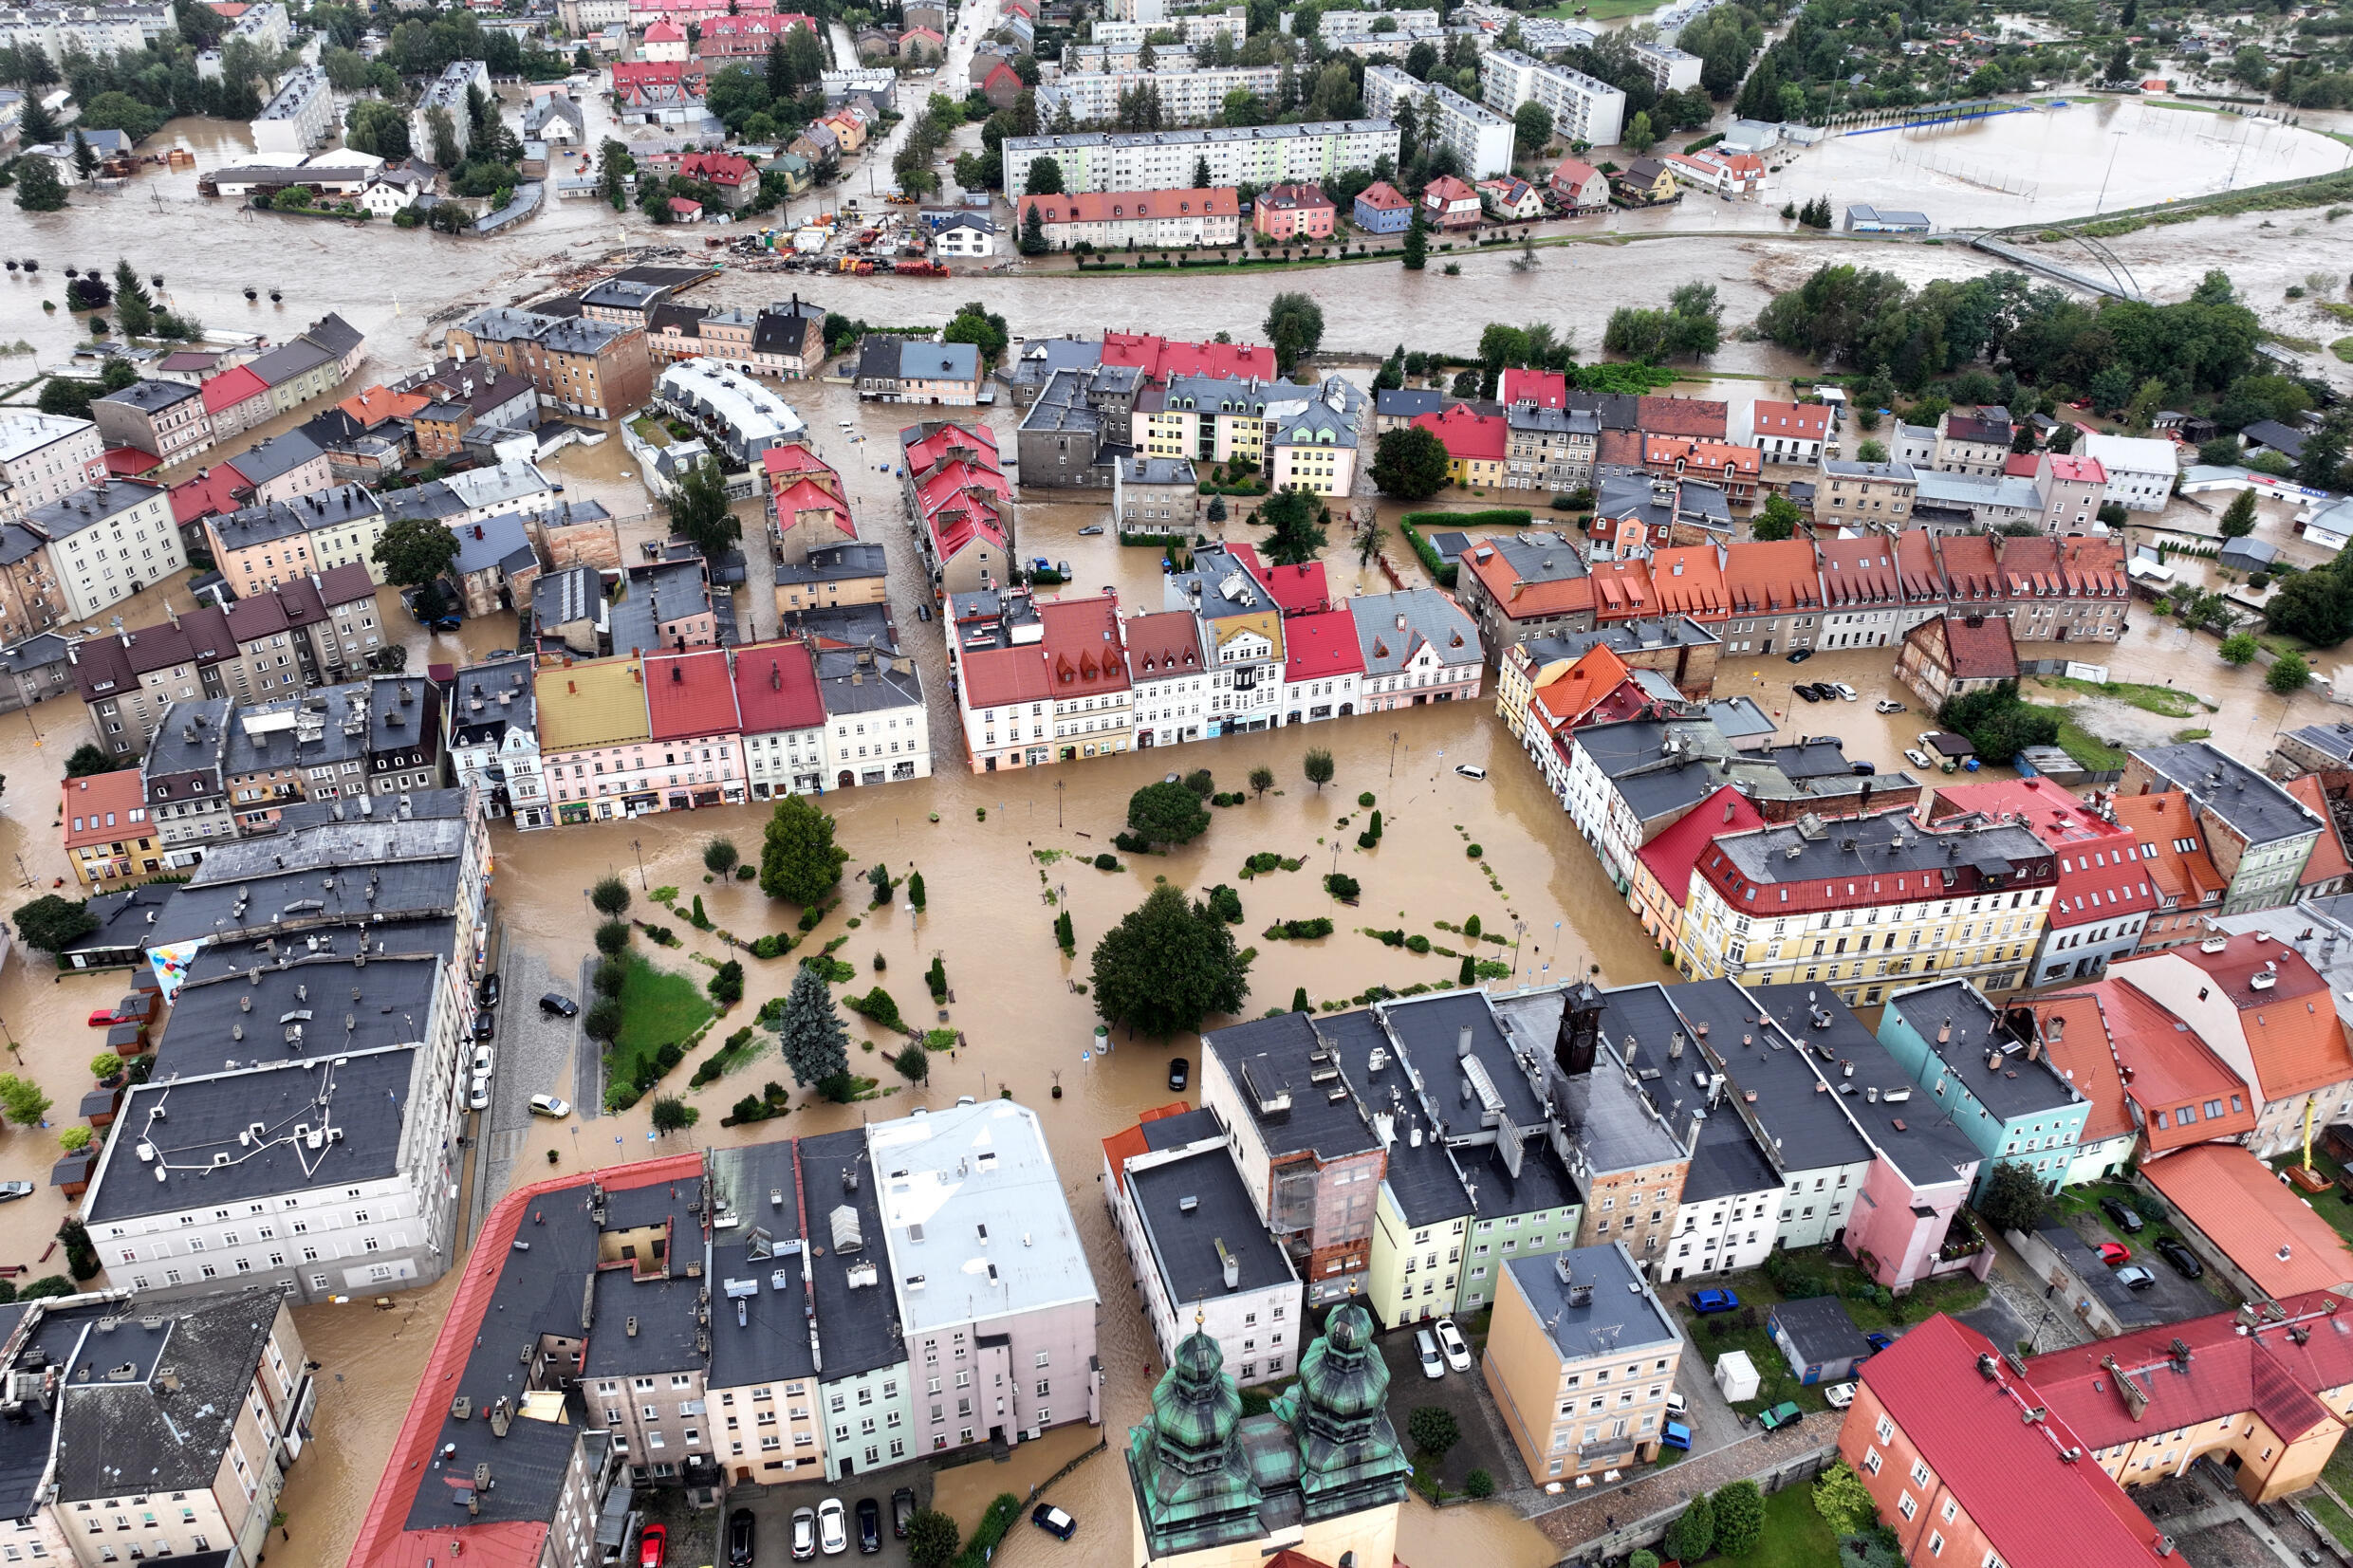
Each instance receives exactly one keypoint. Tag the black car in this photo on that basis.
(1179, 1072)
(1801, 656)
(2185, 1262)
(1804, 691)
(485, 990)
(903, 1509)
(869, 1525)
(559, 1006)
(484, 1025)
(739, 1539)
(2127, 1221)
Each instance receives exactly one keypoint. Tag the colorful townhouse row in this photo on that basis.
(156, 422)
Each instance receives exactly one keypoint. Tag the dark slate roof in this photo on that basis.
(663, 1312)
(274, 455)
(1429, 1029)
(847, 686)
(1929, 1150)
(2281, 438)
(1266, 1059)
(287, 1011)
(486, 684)
(1187, 1127)
(1811, 1127)
(1421, 1178)
(759, 1185)
(857, 1327)
(1821, 1329)
(877, 358)
(1621, 1316)
(152, 396)
(2017, 1087)
(1405, 403)
(25, 1445)
(170, 1441)
(1185, 1243)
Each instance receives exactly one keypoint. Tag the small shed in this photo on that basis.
(1735, 1376)
(1818, 1339)
(2252, 556)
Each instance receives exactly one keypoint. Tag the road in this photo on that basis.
(973, 21)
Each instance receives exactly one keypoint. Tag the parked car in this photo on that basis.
(559, 1006)
(739, 1539)
(2135, 1278)
(1053, 1521)
(1887, 705)
(1846, 692)
(483, 1059)
(484, 1025)
(553, 1106)
(1449, 1340)
(1090, 530)
(804, 1534)
(1432, 1365)
(870, 1526)
(1805, 690)
(903, 1509)
(1839, 1396)
(1917, 757)
(832, 1531)
(478, 1096)
(10, 1190)
(1865, 770)
(1783, 1415)
(485, 990)
(2175, 1251)
(2127, 1221)
(105, 1018)
(651, 1544)
(1708, 1301)
(1179, 1072)
(1679, 1408)
(1801, 656)
(1471, 770)
(1878, 1340)
(1675, 1436)
(2113, 1253)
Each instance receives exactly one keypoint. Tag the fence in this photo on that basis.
(1629, 1534)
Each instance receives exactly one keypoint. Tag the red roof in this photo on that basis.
(1577, 696)
(1382, 196)
(1574, 173)
(2327, 862)
(2021, 465)
(1317, 647)
(129, 462)
(379, 403)
(1128, 1142)
(923, 455)
(962, 503)
(1807, 421)
(665, 32)
(689, 694)
(776, 688)
(232, 387)
(383, 1541)
(1719, 459)
(1858, 571)
(1466, 432)
(806, 495)
(1969, 1427)
(1969, 565)
(2099, 871)
(1298, 590)
(2293, 1033)
(1001, 71)
(1657, 416)
(99, 809)
(1163, 357)
(682, 206)
(1446, 190)
(1164, 645)
(210, 494)
(1674, 853)
(720, 169)
(1543, 388)
(2083, 468)
(1080, 655)
(1772, 575)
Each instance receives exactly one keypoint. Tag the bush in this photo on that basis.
(1432, 1430)
(1200, 781)
(670, 1054)
(1473, 850)
(936, 978)
(603, 1019)
(771, 946)
(608, 978)
(1692, 1534)
(610, 896)
(1478, 1483)
(620, 1097)
(1417, 943)
(1342, 886)
(1106, 862)
(1225, 903)
(612, 937)
(1844, 1502)
(1365, 800)
(726, 984)
(1065, 937)
(1298, 930)
(878, 1005)
(74, 1139)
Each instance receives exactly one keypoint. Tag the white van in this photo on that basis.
(1471, 770)
(1432, 1365)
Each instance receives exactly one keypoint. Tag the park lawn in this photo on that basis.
(1601, 11)
(657, 1007)
(1796, 1535)
(2168, 701)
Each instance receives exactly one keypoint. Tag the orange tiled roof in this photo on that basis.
(2327, 862)
(2292, 1031)
(2249, 1212)
(1524, 600)
(2183, 877)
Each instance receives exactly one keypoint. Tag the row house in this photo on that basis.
(1324, 667)
(1549, 448)
(2104, 897)
(1311, 438)
(783, 714)
(1530, 584)
(1170, 677)
(1052, 688)
(1975, 440)
(1635, 513)
(1477, 446)
(46, 457)
(1733, 469)
(690, 700)
(313, 746)
(2258, 836)
(961, 503)
(164, 419)
(1418, 647)
(1789, 433)
(185, 778)
(1986, 1072)
(108, 836)
(491, 736)
(106, 543)
(1776, 596)
(1115, 220)
(1862, 592)
(1243, 637)
(581, 366)
(2185, 888)
(259, 547)
(1865, 495)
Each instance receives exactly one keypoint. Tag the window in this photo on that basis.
(1907, 1505)
(1919, 1473)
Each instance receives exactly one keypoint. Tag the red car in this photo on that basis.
(105, 1018)
(2111, 1253)
(650, 1546)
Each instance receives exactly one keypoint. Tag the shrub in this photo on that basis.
(1225, 903)
(1106, 862)
(726, 984)
(1342, 886)
(1298, 930)
(612, 937)
(936, 978)
(603, 1019)
(1470, 929)
(878, 1005)
(1065, 937)
(770, 947)
(1417, 943)
(670, 1054)
(620, 1097)
(1432, 1430)
(1473, 850)
(74, 1139)
(1365, 800)
(1200, 781)
(1478, 1483)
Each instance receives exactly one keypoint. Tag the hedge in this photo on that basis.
(990, 1533)
(1442, 574)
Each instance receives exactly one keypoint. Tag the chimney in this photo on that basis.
(1579, 1035)
(1230, 1265)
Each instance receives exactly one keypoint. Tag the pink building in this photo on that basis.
(1295, 211)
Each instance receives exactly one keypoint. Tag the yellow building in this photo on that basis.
(1581, 1356)
(594, 736)
(108, 836)
(1413, 1251)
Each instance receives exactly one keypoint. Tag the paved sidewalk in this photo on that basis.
(1610, 1521)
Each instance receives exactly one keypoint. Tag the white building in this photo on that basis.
(1191, 27)
(300, 117)
(1418, 648)
(492, 741)
(2141, 469)
(510, 486)
(1583, 108)
(264, 26)
(1312, 437)
(1199, 1251)
(390, 191)
(1671, 69)
(46, 457)
(783, 719)
(1187, 98)
(1169, 161)
(447, 94)
(877, 728)
(1338, 26)
(108, 541)
(1479, 137)
(735, 411)
(1168, 677)
(965, 236)
(97, 31)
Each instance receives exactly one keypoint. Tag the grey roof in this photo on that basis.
(1040, 357)
(1266, 1059)
(1935, 487)
(848, 686)
(1902, 472)
(1625, 637)
(1821, 1329)
(567, 594)
(364, 872)
(1226, 586)
(193, 738)
(152, 396)
(1185, 1127)
(922, 361)
(1428, 1031)
(432, 936)
(852, 626)
(1619, 1315)
(276, 520)
(487, 542)
(1621, 1130)
(274, 457)
(2330, 740)
(664, 1315)
(171, 1439)
(841, 563)
(760, 1185)
(1025, 148)
(200, 1137)
(1156, 471)
(2249, 555)
(284, 362)
(431, 501)
(38, 652)
(1889, 843)
(89, 506)
(857, 1326)
(1405, 403)
(1537, 556)
(1737, 718)
(622, 294)
(1926, 1147)
(2259, 810)
(1429, 617)
(1423, 1178)
(954, 1182)
(25, 1443)
(1535, 416)
(2017, 1087)
(1805, 1127)
(295, 1005)
(318, 727)
(2280, 438)
(505, 697)
(1195, 1212)
(877, 358)
(400, 714)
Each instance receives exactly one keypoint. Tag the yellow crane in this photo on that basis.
(2303, 1175)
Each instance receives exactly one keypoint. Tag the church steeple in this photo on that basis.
(1194, 1483)
(1348, 1452)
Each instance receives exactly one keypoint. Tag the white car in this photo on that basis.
(1843, 690)
(832, 1536)
(478, 1098)
(1471, 770)
(1917, 757)
(482, 1060)
(1839, 1396)
(1431, 1367)
(550, 1105)
(1679, 1408)
(1449, 1340)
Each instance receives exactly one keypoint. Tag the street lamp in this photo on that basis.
(2115, 146)
(1393, 740)
(1519, 929)
(640, 853)
(1058, 788)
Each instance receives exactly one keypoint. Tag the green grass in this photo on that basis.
(657, 1008)
(2328, 1206)
(2342, 349)
(2172, 703)
(1795, 1535)
(2331, 1517)
(2087, 751)
(649, 432)
(1775, 1381)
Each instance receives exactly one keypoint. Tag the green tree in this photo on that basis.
(1044, 178)
(1844, 1501)
(1693, 1531)
(1261, 779)
(699, 513)
(611, 896)
(1297, 538)
(1638, 135)
(1739, 1516)
(1532, 127)
(73, 1140)
(933, 1538)
(1410, 463)
(1871, 452)
(1779, 519)
(2322, 464)
(799, 861)
(1033, 229)
(415, 550)
(719, 857)
(2239, 648)
(133, 311)
(1168, 966)
(1642, 1558)
(726, 984)
(53, 923)
(2238, 518)
(444, 133)
(39, 187)
(2290, 674)
(914, 889)
(1477, 1484)
(815, 1045)
(38, 127)
(612, 937)
(23, 1100)
(2014, 1199)
(673, 1115)
(87, 760)
(1294, 325)
(1417, 254)
(1432, 1430)
(913, 1062)
(1166, 814)
(1318, 767)
(974, 323)
(44, 1287)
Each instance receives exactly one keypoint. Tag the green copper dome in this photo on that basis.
(1349, 1455)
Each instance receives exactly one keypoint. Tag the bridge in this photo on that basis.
(2112, 278)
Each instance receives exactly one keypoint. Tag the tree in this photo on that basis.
(915, 1062)
(38, 127)
(44, 1287)
(1044, 178)
(1642, 1558)
(2238, 518)
(39, 187)
(914, 889)
(1297, 538)
(1778, 520)
(815, 1045)
(1477, 1484)
(1166, 814)
(799, 861)
(1416, 243)
(673, 1115)
(1432, 1431)
(2322, 463)
(1532, 127)
(1033, 229)
(1168, 966)
(2239, 648)
(1410, 463)
(85, 158)
(1844, 1502)
(375, 126)
(415, 550)
(1739, 1516)
(699, 513)
(23, 1100)
(719, 857)
(89, 760)
(444, 133)
(1261, 779)
(974, 323)
(1294, 325)
(2289, 674)
(133, 311)
(1318, 767)
(611, 896)
(933, 1538)
(726, 984)
(54, 924)
(1638, 135)
(612, 937)
(1871, 452)
(1693, 1532)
